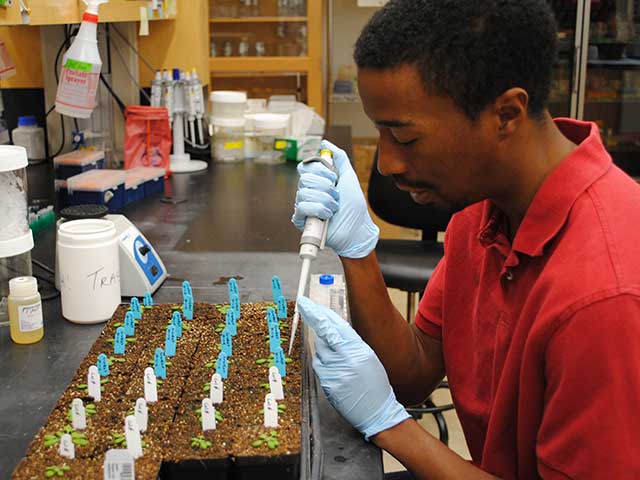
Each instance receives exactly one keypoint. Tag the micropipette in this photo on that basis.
(313, 240)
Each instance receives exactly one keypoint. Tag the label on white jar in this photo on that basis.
(30, 317)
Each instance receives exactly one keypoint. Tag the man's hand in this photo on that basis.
(352, 377)
(352, 233)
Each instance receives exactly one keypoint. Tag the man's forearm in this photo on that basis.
(424, 455)
(413, 370)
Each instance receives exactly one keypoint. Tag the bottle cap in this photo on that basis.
(27, 121)
(326, 279)
(23, 287)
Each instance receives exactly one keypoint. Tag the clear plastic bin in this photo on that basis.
(227, 139)
(77, 162)
(267, 128)
(16, 239)
(99, 187)
(31, 137)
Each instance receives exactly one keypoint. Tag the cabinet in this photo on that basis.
(268, 47)
(56, 12)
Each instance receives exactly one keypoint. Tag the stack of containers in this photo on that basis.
(227, 125)
(31, 137)
(100, 187)
(254, 106)
(133, 186)
(71, 164)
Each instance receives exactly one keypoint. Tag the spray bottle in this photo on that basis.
(81, 66)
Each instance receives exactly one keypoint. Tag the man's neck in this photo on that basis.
(540, 149)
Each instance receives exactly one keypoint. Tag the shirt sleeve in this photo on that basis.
(429, 315)
(590, 423)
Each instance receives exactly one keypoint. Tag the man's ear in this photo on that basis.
(510, 110)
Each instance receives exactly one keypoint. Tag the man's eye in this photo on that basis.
(407, 143)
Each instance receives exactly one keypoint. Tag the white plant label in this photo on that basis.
(275, 384)
(78, 415)
(67, 448)
(150, 385)
(118, 465)
(208, 415)
(132, 434)
(93, 381)
(270, 411)
(217, 389)
(142, 414)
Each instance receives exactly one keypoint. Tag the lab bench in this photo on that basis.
(235, 222)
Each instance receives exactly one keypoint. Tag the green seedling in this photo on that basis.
(200, 442)
(131, 340)
(89, 409)
(219, 416)
(76, 437)
(159, 382)
(111, 340)
(120, 440)
(271, 440)
(84, 387)
(176, 307)
(118, 324)
(54, 470)
(153, 362)
(111, 360)
(282, 408)
(223, 309)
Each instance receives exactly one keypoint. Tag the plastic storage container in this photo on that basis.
(62, 195)
(134, 187)
(89, 264)
(267, 128)
(100, 187)
(227, 139)
(16, 239)
(31, 137)
(77, 162)
(25, 311)
(228, 104)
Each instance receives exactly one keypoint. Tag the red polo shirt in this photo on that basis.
(541, 337)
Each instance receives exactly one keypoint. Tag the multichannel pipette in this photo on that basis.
(313, 239)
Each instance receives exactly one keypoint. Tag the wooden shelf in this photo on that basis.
(256, 19)
(259, 64)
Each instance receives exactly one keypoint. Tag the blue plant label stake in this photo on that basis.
(121, 339)
(271, 316)
(147, 301)
(222, 365)
(227, 345)
(135, 308)
(274, 337)
(280, 362)
(282, 307)
(276, 288)
(129, 325)
(170, 342)
(160, 364)
(188, 308)
(231, 323)
(235, 305)
(186, 290)
(176, 321)
(103, 365)
(233, 288)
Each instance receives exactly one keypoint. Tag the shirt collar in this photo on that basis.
(552, 203)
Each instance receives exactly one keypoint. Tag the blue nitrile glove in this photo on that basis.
(350, 373)
(352, 233)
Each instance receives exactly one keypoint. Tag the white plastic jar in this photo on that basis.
(227, 139)
(31, 137)
(228, 104)
(89, 270)
(267, 128)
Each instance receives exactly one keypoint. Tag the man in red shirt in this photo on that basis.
(534, 312)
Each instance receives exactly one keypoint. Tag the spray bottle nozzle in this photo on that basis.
(92, 5)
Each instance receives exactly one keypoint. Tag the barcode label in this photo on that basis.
(119, 465)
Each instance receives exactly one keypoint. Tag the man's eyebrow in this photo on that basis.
(393, 123)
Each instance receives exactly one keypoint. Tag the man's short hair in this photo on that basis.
(469, 50)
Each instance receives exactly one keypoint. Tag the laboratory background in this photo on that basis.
(148, 154)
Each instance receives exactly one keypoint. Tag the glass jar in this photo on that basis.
(227, 138)
(16, 239)
(267, 128)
